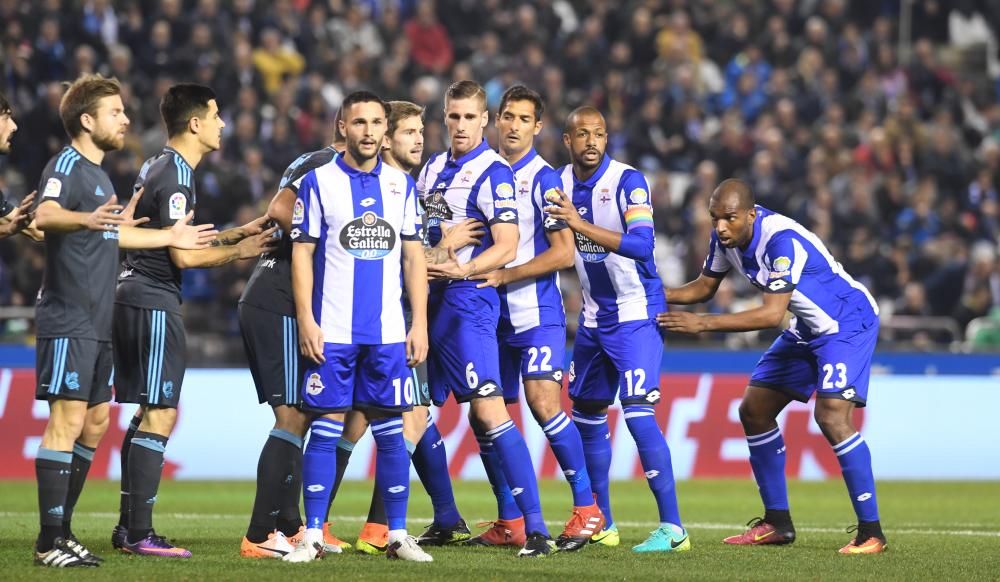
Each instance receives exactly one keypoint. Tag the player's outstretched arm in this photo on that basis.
(767, 316)
(215, 255)
(182, 235)
(310, 333)
(280, 208)
(232, 236)
(559, 255)
(698, 291)
(503, 251)
(465, 233)
(50, 216)
(415, 280)
(21, 220)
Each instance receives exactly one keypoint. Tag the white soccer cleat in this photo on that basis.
(309, 548)
(407, 549)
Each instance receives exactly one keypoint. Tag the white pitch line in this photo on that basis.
(927, 530)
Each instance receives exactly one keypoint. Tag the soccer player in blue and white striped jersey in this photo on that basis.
(826, 350)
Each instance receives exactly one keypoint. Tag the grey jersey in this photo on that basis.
(78, 289)
(149, 278)
(270, 285)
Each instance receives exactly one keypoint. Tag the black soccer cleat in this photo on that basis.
(436, 535)
(82, 550)
(118, 536)
(537, 546)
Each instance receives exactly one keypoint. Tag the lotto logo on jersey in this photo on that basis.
(298, 212)
(369, 237)
(590, 251)
(177, 206)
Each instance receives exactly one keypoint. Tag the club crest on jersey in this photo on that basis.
(314, 384)
(590, 251)
(638, 196)
(298, 212)
(369, 237)
(177, 205)
(505, 190)
(52, 188)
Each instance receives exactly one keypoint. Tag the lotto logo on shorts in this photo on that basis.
(314, 385)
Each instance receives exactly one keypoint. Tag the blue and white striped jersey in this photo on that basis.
(358, 221)
(784, 256)
(532, 302)
(616, 287)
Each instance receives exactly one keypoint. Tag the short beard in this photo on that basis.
(355, 151)
(107, 142)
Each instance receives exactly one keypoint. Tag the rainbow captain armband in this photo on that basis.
(638, 216)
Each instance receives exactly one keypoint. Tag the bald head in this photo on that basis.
(734, 192)
(585, 115)
(586, 138)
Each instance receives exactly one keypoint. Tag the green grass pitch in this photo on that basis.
(936, 530)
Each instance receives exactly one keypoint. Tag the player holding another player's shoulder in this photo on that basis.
(270, 339)
(472, 181)
(357, 240)
(14, 218)
(532, 331)
(84, 227)
(826, 350)
(618, 347)
(149, 340)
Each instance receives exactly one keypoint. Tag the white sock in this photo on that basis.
(313, 534)
(396, 535)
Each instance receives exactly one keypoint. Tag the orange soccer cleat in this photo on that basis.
(760, 533)
(581, 527)
(872, 545)
(502, 532)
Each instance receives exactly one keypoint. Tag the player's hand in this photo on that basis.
(192, 237)
(258, 244)
(311, 340)
(19, 218)
(681, 322)
(450, 269)
(129, 211)
(106, 216)
(416, 346)
(255, 226)
(491, 279)
(561, 208)
(465, 233)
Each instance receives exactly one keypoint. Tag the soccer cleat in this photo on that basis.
(407, 549)
(872, 545)
(759, 533)
(155, 545)
(331, 543)
(436, 535)
(118, 536)
(373, 539)
(502, 532)
(583, 524)
(668, 538)
(81, 550)
(536, 546)
(62, 555)
(275, 546)
(607, 537)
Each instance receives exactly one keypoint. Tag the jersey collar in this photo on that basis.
(751, 251)
(524, 161)
(471, 155)
(170, 150)
(354, 172)
(590, 182)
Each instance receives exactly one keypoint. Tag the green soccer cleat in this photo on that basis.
(669, 538)
(607, 537)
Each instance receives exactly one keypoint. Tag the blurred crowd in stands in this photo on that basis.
(874, 126)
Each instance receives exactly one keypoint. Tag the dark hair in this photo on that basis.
(181, 102)
(5, 108)
(400, 110)
(522, 93)
(466, 90)
(362, 97)
(82, 97)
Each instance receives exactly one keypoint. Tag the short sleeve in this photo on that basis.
(784, 259)
(411, 214)
(57, 187)
(173, 203)
(307, 212)
(716, 264)
(548, 182)
(496, 197)
(634, 202)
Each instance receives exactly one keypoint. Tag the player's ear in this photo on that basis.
(566, 141)
(538, 127)
(87, 122)
(194, 124)
(486, 120)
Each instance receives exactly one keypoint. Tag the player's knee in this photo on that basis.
(291, 419)
(543, 399)
(487, 413)
(753, 417)
(95, 425)
(414, 425)
(159, 421)
(834, 421)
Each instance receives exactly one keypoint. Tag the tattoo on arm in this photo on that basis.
(435, 255)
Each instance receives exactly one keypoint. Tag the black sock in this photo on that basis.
(123, 492)
(145, 466)
(779, 518)
(273, 475)
(869, 529)
(344, 450)
(376, 511)
(289, 516)
(82, 457)
(52, 470)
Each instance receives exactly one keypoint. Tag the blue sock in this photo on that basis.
(517, 467)
(655, 457)
(767, 458)
(597, 451)
(564, 438)
(856, 465)
(319, 468)
(392, 469)
(431, 462)
(506, 506)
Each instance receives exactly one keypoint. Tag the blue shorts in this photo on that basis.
(534, 354)
(463, 359)
(362, 377)
(833, 366)
(622, 359)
